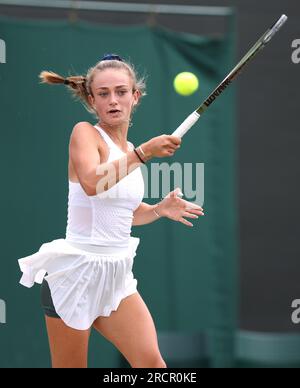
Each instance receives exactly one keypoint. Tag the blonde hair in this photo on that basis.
(80, 86)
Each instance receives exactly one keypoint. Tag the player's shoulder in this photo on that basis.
(83, 129)
(84, 133)
(83, 126)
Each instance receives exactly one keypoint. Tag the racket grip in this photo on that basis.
(186, 125)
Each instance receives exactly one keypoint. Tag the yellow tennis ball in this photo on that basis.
(186, 83)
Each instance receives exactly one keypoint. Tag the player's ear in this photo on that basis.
(137, 95)
(91, 99)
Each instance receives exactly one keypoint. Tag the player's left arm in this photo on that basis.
(171, 207)
(144, 214)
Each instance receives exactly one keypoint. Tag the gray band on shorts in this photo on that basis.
(47, 302)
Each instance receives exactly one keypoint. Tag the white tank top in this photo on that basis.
(105, 219)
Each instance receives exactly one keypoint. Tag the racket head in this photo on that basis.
(275, 28)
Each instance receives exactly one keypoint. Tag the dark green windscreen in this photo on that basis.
(187, 276)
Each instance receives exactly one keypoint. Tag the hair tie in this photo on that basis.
(111, 57)
(66, 82)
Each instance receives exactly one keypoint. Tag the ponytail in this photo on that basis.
(80, 86)
(76, 84)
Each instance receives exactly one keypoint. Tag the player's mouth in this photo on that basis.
(114, 111)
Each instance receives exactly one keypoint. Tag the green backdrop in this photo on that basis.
(187, 276)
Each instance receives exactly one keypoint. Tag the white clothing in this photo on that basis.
(84, 285)
(90, 271)
(106, 218)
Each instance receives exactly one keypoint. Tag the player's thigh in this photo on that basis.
(131, 329)
(68, 346)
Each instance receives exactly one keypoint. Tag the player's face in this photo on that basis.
(113, 96)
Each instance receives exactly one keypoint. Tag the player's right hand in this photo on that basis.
(161, 146)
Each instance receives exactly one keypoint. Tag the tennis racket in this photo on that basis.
(259, 45)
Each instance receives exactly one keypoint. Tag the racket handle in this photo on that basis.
(186, 125)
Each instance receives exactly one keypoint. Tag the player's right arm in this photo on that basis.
(95, 176)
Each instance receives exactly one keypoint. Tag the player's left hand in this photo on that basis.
(175, 208)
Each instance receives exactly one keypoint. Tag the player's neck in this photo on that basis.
(118, 133)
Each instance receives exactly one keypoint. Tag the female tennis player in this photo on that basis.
(87, 279)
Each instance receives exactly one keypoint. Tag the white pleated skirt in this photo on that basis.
(84, 283)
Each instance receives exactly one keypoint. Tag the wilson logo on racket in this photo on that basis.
(217, 92)
(2, 51)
